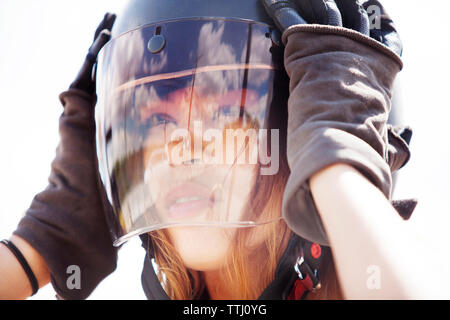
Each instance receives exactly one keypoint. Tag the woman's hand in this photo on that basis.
(341, 83)
(339, 148)
(65, 224)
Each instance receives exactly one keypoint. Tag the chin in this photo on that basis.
(202, 248)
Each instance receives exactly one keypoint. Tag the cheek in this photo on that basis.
(202, 248)
(239, 185)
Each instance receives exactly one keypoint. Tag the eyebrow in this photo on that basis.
(189, 72)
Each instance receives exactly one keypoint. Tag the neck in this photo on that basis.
(218, 288)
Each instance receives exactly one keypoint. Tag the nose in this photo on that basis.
(194, 146)
(185, 147)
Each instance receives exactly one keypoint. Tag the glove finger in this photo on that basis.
(99, 42)
(283, 13)
(405, 207)
(107, 23)
(83, 80)
(354, 16)
(321, 12)
(334, 15)
(399, 153)
(382, 28)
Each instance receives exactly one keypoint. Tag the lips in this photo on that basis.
(187, 200)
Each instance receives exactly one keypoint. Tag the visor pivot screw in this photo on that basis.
(156, 43)
(275, 36)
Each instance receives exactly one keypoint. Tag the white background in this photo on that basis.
(43, 44)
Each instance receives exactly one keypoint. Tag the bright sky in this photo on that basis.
(44, 43)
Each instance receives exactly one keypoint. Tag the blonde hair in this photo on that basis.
(244, 262)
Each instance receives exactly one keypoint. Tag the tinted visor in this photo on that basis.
(182, 130)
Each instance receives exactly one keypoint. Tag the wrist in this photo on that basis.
(34, 259)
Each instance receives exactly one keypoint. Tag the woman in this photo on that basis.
(146, 168)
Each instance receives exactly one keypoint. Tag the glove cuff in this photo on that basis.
(341, 31)
(339, 103)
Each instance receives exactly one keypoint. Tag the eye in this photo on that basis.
(227, 112)
(157, 119)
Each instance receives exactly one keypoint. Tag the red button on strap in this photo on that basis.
(316, 250)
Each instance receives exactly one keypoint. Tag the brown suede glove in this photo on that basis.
(66, 222)
(340, 95)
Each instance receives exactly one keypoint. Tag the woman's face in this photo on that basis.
(201, 200)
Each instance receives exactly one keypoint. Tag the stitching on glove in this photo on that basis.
(354, 35)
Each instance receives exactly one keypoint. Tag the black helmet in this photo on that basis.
(173, 66)
(138, 13)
